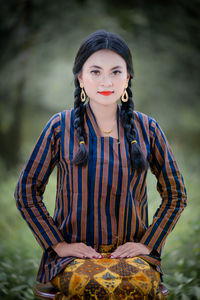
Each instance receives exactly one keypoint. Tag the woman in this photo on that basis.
(99, 243)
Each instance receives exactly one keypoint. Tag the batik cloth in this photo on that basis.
(108, 279)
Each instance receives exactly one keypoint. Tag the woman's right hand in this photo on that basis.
(80, 250)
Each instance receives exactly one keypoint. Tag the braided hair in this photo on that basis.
(138, 161)
(81, 157)
(94, 42)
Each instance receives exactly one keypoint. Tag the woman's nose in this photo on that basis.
(106, 81)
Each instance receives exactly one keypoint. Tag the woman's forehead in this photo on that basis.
(105, 58)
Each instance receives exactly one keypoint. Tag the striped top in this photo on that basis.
(104, 202)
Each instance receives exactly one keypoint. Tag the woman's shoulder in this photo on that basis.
(59, 120)
(57, 117)
(143, 119)
(149, 124)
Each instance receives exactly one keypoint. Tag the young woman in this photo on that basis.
(99, 243)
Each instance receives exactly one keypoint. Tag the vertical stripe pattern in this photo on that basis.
(104, 202)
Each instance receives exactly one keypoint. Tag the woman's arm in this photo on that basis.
(32, 182)
(171, 187)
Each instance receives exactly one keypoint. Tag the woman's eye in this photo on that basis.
(116, 72)
(96, 72)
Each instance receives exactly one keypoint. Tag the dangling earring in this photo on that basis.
(83, 95)
(124, 96)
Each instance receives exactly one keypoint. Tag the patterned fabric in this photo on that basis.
(104, 202)
(130, 278)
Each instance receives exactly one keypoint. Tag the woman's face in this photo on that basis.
(104, 71)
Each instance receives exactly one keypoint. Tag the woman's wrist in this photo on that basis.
(58, 247)
(148, 248)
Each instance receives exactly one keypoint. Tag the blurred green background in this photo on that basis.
(39, 40)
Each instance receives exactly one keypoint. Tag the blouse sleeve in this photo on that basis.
(32, 182)
(171, 187)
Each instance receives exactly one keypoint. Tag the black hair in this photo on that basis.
(94, 42)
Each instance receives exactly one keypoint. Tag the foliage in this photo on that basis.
(183, 267)
(17, 275)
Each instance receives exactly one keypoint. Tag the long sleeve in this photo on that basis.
(171, 187)
(32, 182)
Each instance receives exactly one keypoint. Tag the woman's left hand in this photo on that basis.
(130, 249)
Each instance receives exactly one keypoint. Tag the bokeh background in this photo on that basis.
(39, 40)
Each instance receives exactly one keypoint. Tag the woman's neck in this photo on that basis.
(104, 114)
(106, 118)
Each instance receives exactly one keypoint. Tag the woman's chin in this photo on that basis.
(104, 102)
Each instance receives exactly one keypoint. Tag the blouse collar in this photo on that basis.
(93, 126)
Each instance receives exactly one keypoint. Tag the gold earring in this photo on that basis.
(124, 96)
(83, 95)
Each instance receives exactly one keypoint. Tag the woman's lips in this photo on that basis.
(105, 93)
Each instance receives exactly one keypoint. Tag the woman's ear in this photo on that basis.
(80, 78)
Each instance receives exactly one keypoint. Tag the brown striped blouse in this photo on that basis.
(104, 202)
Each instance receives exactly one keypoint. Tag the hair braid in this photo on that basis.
(81, 157)
(138, 161)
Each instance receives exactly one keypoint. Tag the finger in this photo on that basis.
(92, 253)
(132, 250)
(126, 252)
(77, 250)
(136, 253)
(121, 255)
(82, 248)
(118, 250)
(121, 252)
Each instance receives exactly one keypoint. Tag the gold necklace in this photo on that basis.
(109, 131)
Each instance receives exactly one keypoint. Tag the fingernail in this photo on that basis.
(93, 256)
(111, 256)
(100, 256)
(118, 256)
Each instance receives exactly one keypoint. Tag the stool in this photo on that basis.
(48, 291)
(45, 291)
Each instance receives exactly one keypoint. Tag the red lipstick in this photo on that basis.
(105, 93)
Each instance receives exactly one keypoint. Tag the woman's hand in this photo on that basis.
(130, 249)
(81, 250)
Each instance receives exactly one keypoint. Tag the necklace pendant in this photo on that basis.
(107, 131)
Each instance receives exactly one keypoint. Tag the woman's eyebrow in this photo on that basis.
(98, 67)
